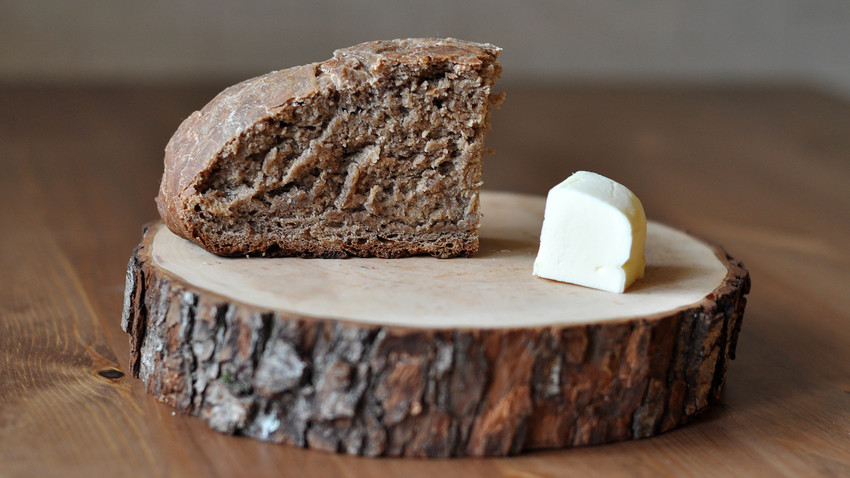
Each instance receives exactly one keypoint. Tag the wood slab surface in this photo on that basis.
(427, 357)
(760, 170)
(492, 289)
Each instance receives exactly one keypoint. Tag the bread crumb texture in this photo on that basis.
(375, 152)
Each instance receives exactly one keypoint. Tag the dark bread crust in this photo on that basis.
(234, 127)
(216, 128)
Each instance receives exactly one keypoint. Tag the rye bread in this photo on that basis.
(375, 152)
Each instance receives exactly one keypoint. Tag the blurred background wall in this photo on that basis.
(619, 40)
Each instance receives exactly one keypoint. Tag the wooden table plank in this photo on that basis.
(760, 170)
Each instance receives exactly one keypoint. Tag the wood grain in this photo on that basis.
(760, 170)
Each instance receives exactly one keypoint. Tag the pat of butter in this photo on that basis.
(594, 232)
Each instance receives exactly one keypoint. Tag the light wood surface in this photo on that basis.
(762, 171)
(493, 289)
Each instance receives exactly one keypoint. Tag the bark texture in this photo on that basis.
(376, 390)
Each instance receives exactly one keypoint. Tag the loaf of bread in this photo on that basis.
(375, 152)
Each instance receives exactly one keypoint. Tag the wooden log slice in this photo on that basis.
(432, 357)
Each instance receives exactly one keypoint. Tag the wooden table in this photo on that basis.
(764, 171)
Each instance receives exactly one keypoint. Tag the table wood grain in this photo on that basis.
(761, 170)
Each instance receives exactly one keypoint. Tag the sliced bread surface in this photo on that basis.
(375, 152)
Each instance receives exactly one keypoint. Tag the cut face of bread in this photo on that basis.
(376, 152)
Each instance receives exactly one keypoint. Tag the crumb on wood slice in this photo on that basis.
(376, 152)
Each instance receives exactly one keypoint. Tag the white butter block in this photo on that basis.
(594, 232)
